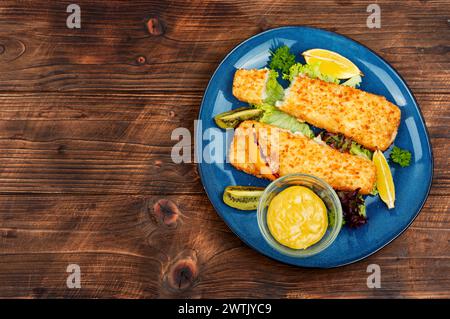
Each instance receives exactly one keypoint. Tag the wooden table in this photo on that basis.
(86, 175)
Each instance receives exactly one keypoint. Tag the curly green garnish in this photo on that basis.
(282, 59)
(401, 156)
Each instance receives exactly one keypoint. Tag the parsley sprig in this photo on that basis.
(401, 156)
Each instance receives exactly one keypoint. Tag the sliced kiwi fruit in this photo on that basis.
(232, 118)
(242, 197)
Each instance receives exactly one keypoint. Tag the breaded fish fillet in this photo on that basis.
(269, 152)
(366, 118)
(250, 85)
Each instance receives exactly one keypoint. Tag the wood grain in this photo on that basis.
(126, 252)
(86, 174)
(42, 54)
(119, 143)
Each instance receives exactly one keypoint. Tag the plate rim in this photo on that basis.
(198, 136)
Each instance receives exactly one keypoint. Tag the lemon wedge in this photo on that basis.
(385, 184)
(332, 63)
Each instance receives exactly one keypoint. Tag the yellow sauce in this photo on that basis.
(297, 217)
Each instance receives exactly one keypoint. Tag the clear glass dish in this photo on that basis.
(323, 190)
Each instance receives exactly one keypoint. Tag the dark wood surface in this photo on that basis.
(86, 175)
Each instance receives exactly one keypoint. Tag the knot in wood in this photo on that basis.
(155, 26)
(166, 212)
(182, 274)
(141, 59)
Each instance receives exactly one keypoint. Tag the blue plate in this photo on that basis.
(412, 183)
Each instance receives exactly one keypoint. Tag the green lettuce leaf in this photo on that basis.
(344, 144)
(274, 91)
(357, 149)
(353, 81)
(274, 116)
(374, 191)
(310, 70)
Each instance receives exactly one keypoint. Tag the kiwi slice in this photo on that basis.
(232, 118)
(242, 197)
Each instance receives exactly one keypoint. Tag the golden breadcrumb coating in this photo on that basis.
(269, 152)
(250, 85)
(366, 118)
